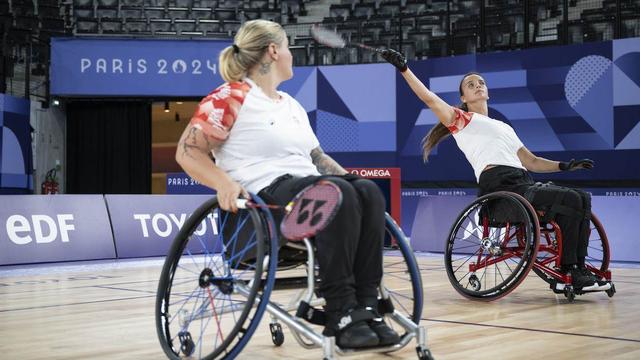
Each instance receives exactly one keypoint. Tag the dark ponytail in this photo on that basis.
(437, 133)
(440, 132)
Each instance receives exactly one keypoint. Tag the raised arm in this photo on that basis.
(443, 111)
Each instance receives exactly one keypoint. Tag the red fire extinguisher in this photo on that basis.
(50, 184)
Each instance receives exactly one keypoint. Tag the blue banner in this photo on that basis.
(122, 67)
(36, 229)
(145, 225)
(181, 183)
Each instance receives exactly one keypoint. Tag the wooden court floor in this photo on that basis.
(105, 310)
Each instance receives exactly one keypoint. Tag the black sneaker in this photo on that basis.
(351, 329)
(602, 284)
(580, 281)
(387, 335)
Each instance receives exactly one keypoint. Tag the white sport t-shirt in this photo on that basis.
(259, 138)
(485, 141)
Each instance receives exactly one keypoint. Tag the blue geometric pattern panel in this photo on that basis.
(15, 146)
(336, 133)
(355, 107)
(563, 102)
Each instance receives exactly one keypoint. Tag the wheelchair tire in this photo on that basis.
(510, 247)
(599, 254)
(209, 301)
(406, 290)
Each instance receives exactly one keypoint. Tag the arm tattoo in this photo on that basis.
(190, 143)
(325, 164)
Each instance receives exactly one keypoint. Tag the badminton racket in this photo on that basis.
(332, 39)
(310, 211)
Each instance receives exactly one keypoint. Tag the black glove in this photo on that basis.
(395, 58)
(576, 164)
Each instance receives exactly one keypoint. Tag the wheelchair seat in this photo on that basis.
(500, 212)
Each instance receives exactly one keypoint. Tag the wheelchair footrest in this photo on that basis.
(559, 288)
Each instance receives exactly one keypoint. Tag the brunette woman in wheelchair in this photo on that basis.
(502, 163)
(263, 143)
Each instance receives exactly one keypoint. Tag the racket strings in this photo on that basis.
(327, 37)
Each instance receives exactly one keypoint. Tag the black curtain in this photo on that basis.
(108, 147)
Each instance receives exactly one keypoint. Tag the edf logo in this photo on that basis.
(43, 228)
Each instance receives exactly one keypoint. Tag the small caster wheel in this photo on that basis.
(569, 294)
(474, 283)
(424, 353)
(611, 291)
(277, 336)
(186, 343)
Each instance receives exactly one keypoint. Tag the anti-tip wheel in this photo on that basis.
(423, 353)
(277, 335)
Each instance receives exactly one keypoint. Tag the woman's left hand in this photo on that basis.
(576, 164)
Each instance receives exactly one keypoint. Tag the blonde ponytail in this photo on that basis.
(249, 46)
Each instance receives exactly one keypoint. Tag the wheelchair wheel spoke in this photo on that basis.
(389, 274)
(215, 314)
(469, 258)
(500, 272)
(467, 247)
(398, 302)
(472, 234)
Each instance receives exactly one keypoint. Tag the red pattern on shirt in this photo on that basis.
(461, 120)
(218, 111)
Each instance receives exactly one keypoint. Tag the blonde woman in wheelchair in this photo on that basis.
(263, 143)
(502, 163)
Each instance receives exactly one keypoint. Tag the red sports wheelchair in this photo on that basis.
(499, 238)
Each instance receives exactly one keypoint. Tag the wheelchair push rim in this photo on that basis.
(213, 290)
(492, 246)
(406, 293)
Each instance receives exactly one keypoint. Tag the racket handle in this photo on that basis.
(242, 203)
(378, 50)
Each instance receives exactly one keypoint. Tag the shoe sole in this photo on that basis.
(592, 288)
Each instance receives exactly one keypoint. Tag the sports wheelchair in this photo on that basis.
(499, 238)
(213, 292)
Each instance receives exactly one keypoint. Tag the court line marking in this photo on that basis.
(529, 329)
(76, 303)
(123, 289)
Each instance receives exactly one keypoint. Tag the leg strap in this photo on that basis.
(344, 321)
(385, 306)
(311, 314)
(352, 317)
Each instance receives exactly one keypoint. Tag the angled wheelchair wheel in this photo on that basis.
(401, 275)
(214, 286)
(598, 254)
(492, 246)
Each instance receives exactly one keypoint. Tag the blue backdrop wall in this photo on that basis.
(564, 102)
